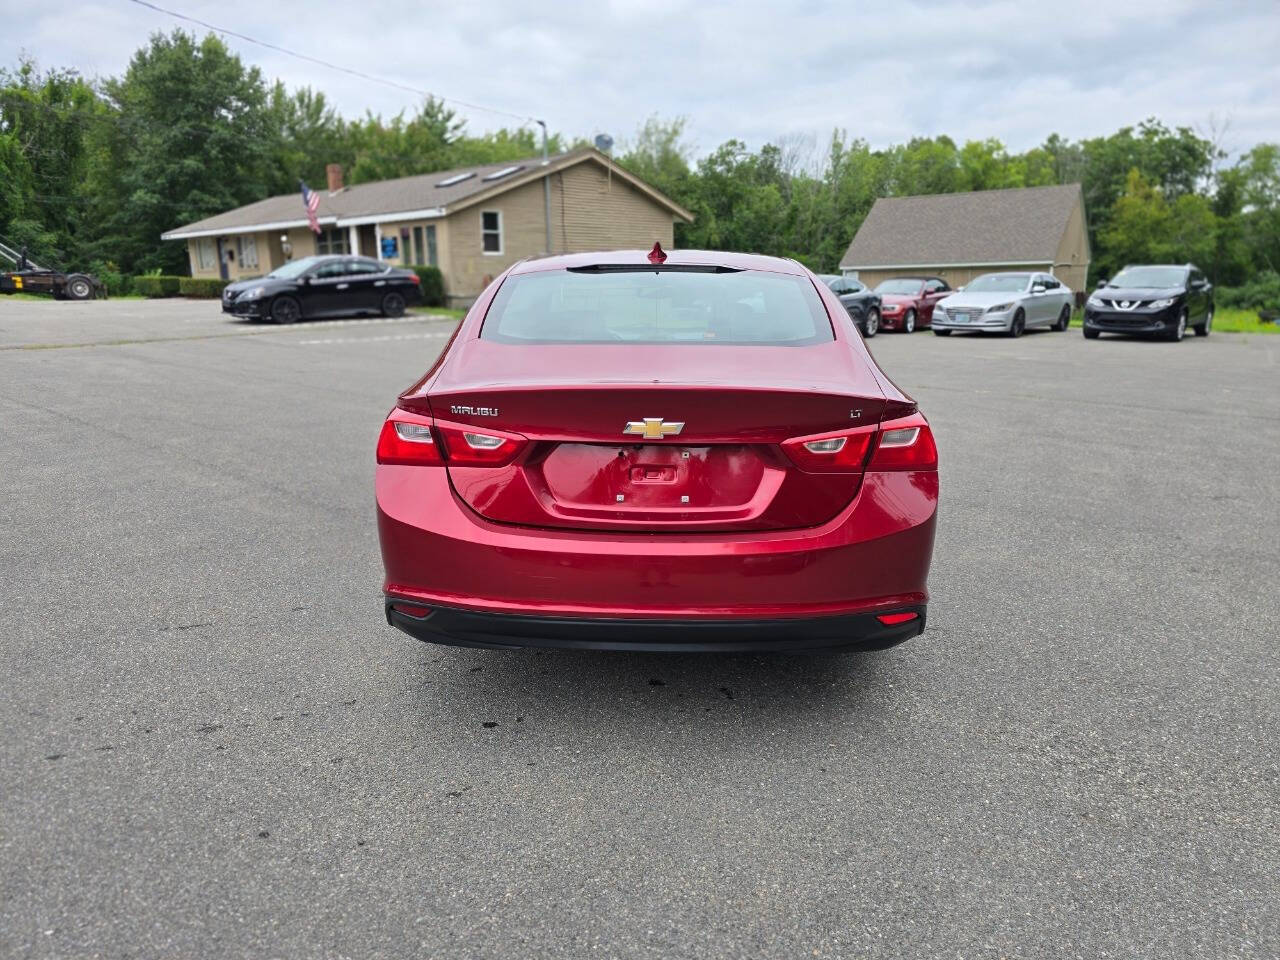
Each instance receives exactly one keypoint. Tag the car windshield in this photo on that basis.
(999, 283)
(643, 305)
(908, 287)
(294, 268)
(1152, 277)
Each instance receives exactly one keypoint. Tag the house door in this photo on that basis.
(369, 241)
(222, 261)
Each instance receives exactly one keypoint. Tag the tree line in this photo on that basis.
(92, 172)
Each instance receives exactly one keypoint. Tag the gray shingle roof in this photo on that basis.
(402, 195)
(984, 227)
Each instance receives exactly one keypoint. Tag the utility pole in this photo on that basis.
(546, 183)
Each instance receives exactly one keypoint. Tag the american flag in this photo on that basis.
(311, 200)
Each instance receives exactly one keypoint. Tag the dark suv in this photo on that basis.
(861, 301)
(1154, 301)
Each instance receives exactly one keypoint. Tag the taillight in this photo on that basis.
(470, 446)
(407, 439)
(416, 279)
(844, 452)
(905, 444)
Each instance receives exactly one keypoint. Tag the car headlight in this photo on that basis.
(892, 307)
(1000, 308)
(1094, 301)
(940, 312)
(1161, 304)
(254, 294)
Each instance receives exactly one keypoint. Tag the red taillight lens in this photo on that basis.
(412, 609)
(470, 446)
(407, 439)
(416, 440)
(905, 444)
(844, 452)
(416, 279)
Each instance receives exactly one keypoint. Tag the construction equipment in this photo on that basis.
(28, 276)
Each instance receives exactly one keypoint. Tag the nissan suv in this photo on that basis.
(1154, 301)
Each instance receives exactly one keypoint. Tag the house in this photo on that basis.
(472, 222)
(958, 236)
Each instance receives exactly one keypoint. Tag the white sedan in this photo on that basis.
(1006, 303)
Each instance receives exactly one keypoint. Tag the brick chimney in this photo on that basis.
(334, 172)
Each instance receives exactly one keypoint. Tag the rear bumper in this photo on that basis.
(469, 628)
(871, 558)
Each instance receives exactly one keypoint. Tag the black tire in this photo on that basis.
(1064, 318)
(941, 333)
(1179, 328)
(285, 310)
(871, 323)
(1090, 334)
(909, 322)
(78, 287)
(1019, 324)
(1202, 329)
(393, 305)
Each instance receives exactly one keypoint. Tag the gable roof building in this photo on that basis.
(472, 222)
(958, 236)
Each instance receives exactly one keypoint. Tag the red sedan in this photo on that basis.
(907, 302)
(641, 451)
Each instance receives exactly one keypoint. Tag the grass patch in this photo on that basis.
(1225, 320)
(439, 312)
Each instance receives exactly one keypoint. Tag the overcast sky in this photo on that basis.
(754, 70)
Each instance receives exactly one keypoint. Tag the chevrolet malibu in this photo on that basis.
(636, 450)
(1005, 303)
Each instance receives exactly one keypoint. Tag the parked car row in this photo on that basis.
(1155, 300)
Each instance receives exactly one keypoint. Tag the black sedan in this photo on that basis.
(333, 286)
(861, 301)
(1154, 301)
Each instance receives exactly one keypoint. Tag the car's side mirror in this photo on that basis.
(1038, 288)
(959, 289)
(1102, 283)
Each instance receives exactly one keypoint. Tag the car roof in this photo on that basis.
(710, 258)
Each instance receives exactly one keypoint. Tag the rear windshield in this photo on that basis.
(657, 306)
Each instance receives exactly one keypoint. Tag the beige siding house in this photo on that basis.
(957, 236)
(472, 223)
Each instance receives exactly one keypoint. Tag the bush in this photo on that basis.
(117, 284)
(208, 287)
(432, 285)
(156, 286)
(1260, 293)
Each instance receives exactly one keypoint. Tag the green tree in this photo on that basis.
(192, 137)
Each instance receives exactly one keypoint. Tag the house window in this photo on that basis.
(433, 257)
(331, 240)
(207, 254)
(417, 246)
(406, 246)
(247, 252)
(491, 231)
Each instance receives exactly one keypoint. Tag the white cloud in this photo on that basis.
(750, 70)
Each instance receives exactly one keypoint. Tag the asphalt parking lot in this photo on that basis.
(215, 747)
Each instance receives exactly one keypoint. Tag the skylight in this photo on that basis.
(504, 172)
(456, 178)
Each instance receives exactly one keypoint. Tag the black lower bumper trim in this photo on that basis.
(469, 628)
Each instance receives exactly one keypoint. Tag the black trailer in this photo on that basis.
(27, 276)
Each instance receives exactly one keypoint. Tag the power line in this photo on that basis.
(331, 66)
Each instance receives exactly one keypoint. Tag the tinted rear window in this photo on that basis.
(663, 306)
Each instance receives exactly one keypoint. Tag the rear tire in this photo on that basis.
(941, 333)
(78, 287)
(871, 323)
(1202, 329)
(393, 305)
(285, 310)
(1019, 324)
(1064, 319)
(909, 322)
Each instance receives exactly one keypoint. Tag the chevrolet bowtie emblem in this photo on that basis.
(652, 428)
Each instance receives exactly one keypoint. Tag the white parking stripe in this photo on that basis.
(402, 336)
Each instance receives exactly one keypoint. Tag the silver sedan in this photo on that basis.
(1005, 303)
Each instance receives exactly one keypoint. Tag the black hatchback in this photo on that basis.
(1154, 301)
(332, 286)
